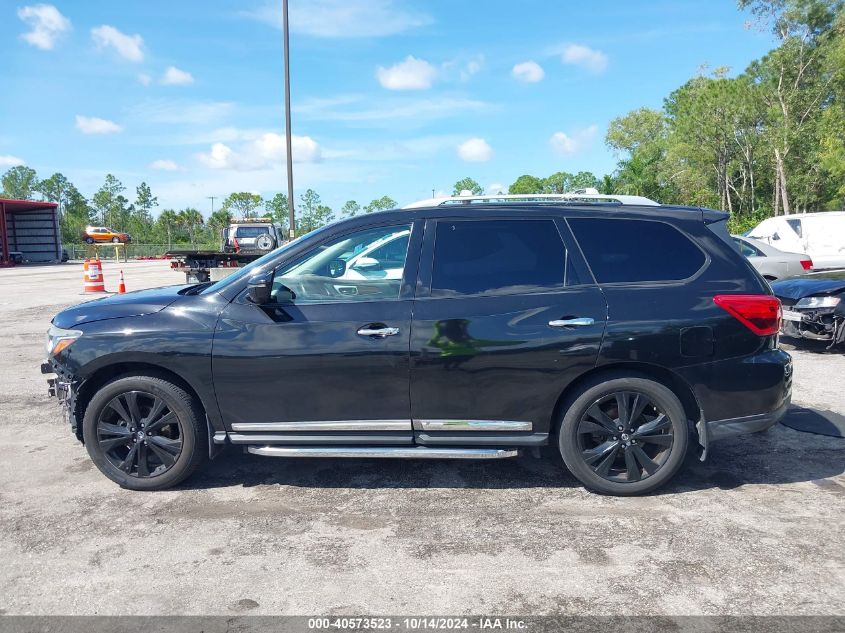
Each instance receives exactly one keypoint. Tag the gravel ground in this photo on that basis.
(755, 530)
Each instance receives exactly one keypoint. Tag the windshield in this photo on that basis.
(255, 267)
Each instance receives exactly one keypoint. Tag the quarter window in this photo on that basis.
(636, 250)
(473, 257)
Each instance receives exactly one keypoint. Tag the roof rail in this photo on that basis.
(579, 195)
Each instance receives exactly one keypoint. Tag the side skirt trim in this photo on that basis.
(472, 425)
(325, 425)
(384, 452)
(332, 439)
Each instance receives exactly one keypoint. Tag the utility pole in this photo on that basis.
(212, 198)
(291, 218)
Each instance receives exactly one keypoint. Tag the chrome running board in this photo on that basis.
(419, 452)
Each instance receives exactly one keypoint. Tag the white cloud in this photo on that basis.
(176, 77)
(392, 150)
(344, 18)
(144, 79)
(357, 109)
(475, 150)
(46, 24)
(579, 55)
(410, 74)
(569, 144)
(263, 152)
(530, 72)
(129, 47)
(10, 161)
(164, 164)
(95, 125)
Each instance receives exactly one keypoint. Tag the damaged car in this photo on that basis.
(814, 306)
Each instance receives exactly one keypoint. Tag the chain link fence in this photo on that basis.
(129, 251)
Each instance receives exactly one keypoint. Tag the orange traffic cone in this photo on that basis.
(93, 276)
(121, 288)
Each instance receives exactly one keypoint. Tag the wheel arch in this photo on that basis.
(108, 373)
(664, 376)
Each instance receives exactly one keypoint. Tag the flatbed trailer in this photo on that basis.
(202, 266)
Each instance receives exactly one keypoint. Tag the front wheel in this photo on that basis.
(145, 433)
(624, 436)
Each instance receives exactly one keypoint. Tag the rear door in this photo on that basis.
(505, 317)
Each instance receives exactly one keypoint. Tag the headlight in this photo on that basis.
(59, 339)
(818, 302)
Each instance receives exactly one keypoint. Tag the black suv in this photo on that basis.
(626, 336)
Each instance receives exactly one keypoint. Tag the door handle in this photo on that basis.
(378, 332)
(580, 321)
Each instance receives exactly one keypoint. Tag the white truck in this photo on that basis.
(819, 235)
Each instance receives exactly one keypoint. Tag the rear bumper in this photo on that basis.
(720, 429)
(740, 395)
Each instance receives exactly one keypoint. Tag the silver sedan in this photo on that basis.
(772, 263)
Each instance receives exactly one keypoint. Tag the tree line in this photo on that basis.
(110, 206)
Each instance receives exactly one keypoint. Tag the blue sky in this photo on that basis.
(390, 97)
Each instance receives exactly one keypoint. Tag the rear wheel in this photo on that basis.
(624, 436)
(145, 433)
(89, 240)
(116, 240)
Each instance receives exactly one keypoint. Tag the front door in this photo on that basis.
(330, 354)
(505, 318)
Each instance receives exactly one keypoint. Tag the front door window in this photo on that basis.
(367, 265)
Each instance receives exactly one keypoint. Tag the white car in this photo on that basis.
(819, 235)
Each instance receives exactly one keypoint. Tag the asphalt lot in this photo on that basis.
(755, 530)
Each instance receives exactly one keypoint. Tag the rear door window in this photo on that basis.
(494, 257)
(621, 250)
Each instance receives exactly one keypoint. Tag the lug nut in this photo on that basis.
(620, 427)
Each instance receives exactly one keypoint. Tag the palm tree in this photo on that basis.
(169, 219)
(191, 219)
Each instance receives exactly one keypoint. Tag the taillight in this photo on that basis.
(807, 264)
(759, 313)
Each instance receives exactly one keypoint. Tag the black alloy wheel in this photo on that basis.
(145, 432)
(624, 434)
(139, 434)
(625, 437)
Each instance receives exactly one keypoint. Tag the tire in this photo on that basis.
(115, 240)
(265, 242)
(89, 240)
(600, 456)
(170, 454)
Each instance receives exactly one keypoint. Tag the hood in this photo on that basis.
(821, 283)
(125, 305)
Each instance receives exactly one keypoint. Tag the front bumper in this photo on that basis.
(64, 388)
(818, 324)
